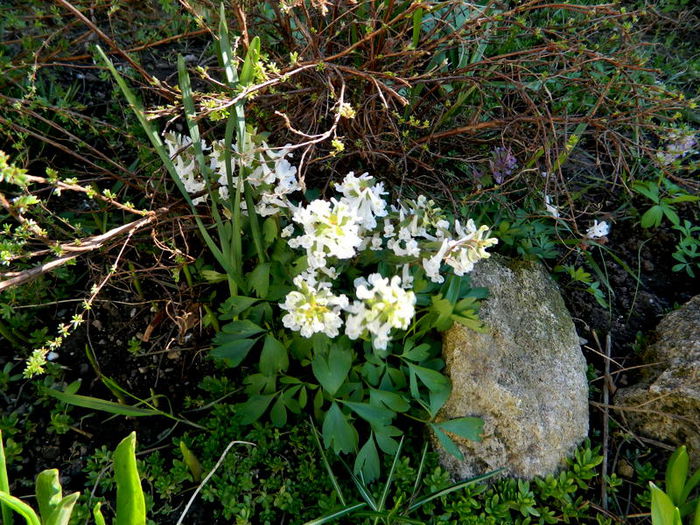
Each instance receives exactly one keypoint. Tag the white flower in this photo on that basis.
(460, 254)
(599, 229)
(377, 242)
(182, 156)
(470, 248)
(406, 277)
(287, 231)
(381, 306)
(553, 211)
(364, 196)
(330, 229)
(431, 265)
(313, 308)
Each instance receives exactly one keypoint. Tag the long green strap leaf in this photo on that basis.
(390, 477)
(453, 488)
(337, 514)
(20, 507)
(190, 114)
(327, 465)
(48, 492)
(231, 73)
(4, 484)
(94, 403)
(165, 158)
(131, 504)
(61, 515)
(97, 514)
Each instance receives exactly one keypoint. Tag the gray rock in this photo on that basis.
(666, 404)
(525, 376)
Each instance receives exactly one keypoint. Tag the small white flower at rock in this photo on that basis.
(599, 229)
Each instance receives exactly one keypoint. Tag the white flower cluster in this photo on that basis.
(360, 219)
(271, 174)
(381, 306)
(313, 307)
(333, 231)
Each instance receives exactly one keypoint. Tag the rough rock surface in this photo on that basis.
(666, 404)
(526, 376)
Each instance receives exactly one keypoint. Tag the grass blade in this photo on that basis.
(329, 470)
(453, 488)
(337, 514)
(4, 484)
(94, 403)
(390, 476)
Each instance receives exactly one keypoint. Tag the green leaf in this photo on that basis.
(447, 443)
(278, 413)
(457, 486)
(652, 217)
(213, 277)
(131, 505)
(242, 329)
(375, 415)
(467, 427)
(391, 400)
(690, 485)
(251, 410)
(235, 305)
(234, 352)
(61, 515)
(94, 403)
(251, 58)
(4, 484)
(273, 358)
(259, 279)
(336, 514)
(269, 231)
(367, 461)
(48, 492)
(338, 433)
(332, 371)
(676, 474)
(418, 354)
(662, 508)
(97, 514)
(648, 189)
(193, 464)
(390, 476)
(20, 507)
(671, 214)
(432, 379)
(385, 440)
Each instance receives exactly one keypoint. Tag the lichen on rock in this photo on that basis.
(665, 405)
(525, 376)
